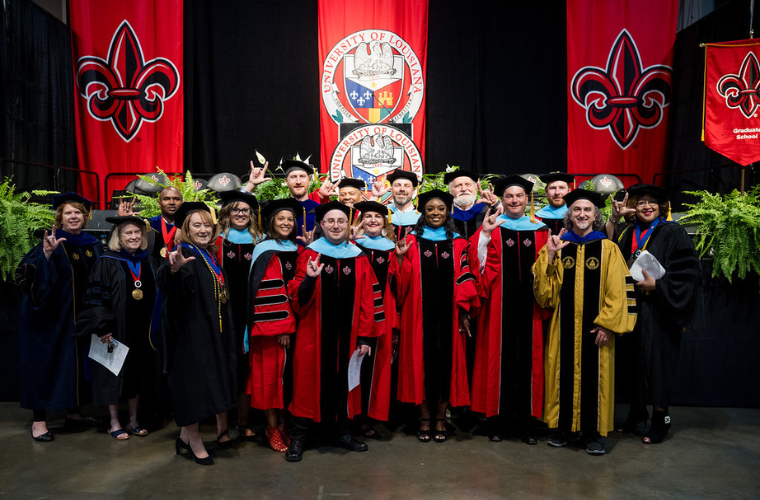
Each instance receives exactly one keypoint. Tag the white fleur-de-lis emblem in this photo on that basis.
(527, 242)
(428, 253)
(510, 242)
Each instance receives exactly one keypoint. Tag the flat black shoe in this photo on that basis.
(529, 435)
(558, 440)
(350, 443)
(295, 450)
(595, 447)
(495, 438)
(44, 438)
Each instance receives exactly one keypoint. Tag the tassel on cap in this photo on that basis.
(532, 210)
(304, 222)
(350, 219)
(213, 215)
(389, 216)
(669, 217)
(258, 217)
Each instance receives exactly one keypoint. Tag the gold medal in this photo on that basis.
(224, 296)
(75, 256)
(137, 294)
(88, 253)
(163, 252)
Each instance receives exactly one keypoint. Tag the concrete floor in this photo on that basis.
(711, 453)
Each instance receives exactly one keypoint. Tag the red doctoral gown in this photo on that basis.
(411, 374)
(366, 321)
(509, 376)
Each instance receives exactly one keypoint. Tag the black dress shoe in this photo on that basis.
(295, 450)
(44, 438)
(350, 443)
(529, 437)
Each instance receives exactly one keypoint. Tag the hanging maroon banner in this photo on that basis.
(373, 57)
(732, 100)
(129, 104)
(619, 63)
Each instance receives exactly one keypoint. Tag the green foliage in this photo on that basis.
(435, 181)
(19, 219)
(729, 227)
(276, 189)
(148, 205)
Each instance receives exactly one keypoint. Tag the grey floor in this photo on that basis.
(712, 453)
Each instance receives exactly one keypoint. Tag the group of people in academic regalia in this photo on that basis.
(321, 313)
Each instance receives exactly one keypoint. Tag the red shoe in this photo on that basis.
(275, 439)
(284, 434)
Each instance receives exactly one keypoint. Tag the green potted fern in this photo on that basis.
(20, 218)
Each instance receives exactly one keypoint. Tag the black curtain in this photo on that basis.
(36, 95)
(687, 152)
(495, 85)
(251, 73)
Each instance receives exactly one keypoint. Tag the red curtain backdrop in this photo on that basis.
(128, 95)
(619, 63)
(732, 79)
(373, 56)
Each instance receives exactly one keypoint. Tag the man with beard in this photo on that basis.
(338, 301)
(582, 276)
(468, 212)
(557, 186)
(169, 200)
(507, 379)
(403, 214)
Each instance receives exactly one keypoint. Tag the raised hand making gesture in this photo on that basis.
(486, 195)
(177, 260)
(489, 222)
(257, 176)
(126, 207)
(314, 268)
(620, 209)
(554, 244)
(50, 243)
(328, 189)
(379, 188)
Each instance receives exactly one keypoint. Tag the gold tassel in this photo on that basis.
(304, 222)
(213, 215)
(258, 216)
(389, 216)
(532, 210)
(669, 217)
(350, 218)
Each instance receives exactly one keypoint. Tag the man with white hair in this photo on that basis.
(582, 276)
(469, 212)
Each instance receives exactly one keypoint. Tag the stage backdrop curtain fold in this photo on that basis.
(619, 64)
(373, 56)
(128, 65)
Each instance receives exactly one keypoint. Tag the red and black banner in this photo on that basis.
(732, 100)
(128, 72)
(619, 62)
(373, 56)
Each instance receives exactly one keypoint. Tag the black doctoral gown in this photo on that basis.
(200, 341)
(52, 361)
(647, 358)
(237, 266)
(112, 308)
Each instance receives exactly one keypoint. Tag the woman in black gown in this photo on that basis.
(197, 327)
(120, 303)
(52, 361)
(667, 305)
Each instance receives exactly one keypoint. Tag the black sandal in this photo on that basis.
(241, 430)
(224, 444)
(424, 435)
(659, 429)
(440, 436)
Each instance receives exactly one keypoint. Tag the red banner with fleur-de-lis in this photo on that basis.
(129, 105)
(732, 100)
(619, 63)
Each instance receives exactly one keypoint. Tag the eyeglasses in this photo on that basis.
(644, 203)
(240, 211)
(334, 222)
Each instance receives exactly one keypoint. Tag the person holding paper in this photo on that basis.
(338, 301)
(119, 305)
(271, 320)
(376, 239)
(198, 331)
(53, 276)
(667, 305)
(581, 275)
(437, 291)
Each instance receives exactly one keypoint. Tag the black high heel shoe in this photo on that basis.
(200, 461)
(180, 445)
(659, 429)
(440, 436)
(637, 415)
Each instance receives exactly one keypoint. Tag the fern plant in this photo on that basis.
(276, 189)
(148, 205)
(435, 181)
(19, 219)
(729, 227)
